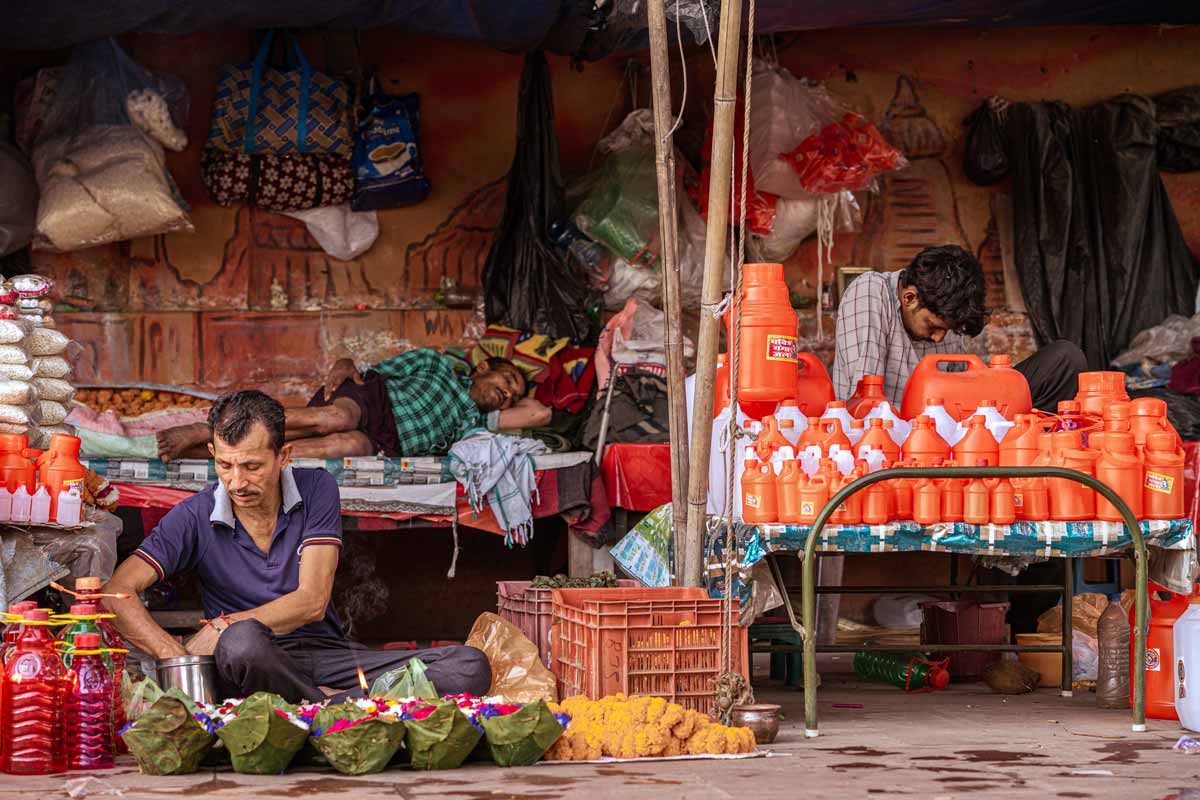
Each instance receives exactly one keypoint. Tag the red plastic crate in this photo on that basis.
(531, 611)
(651, 642)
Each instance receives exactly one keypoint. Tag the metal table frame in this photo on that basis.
(810, 589)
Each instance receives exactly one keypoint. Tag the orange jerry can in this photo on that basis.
(924, 444)
(1162, 491)
(1098, 389)
(877, 437)
(16, 468)
(1160, 651)
(963, 391)
(760, 499)
(867, 395)
(814, 494)
(1019, 448)
(768, 352)
(978, 445)
(1120, 467)
(789, 485)
(814, 387)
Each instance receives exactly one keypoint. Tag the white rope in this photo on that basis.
(683, 69)
(824, 253)
(454, 532)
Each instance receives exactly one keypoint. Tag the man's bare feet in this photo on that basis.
(177, 442)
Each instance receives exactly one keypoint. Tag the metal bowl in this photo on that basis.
(195, 676)
(761, 718)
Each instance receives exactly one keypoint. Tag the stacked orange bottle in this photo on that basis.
(927, 502)
(1031, 500)
(1149, 415)
(877, 438)
(850, 511)
(1162, 490)
(1003, 501)
(16, 468)
(31, 713)
(962, 391)
(789, 487)
(59, 468)
(1098, 389)
(768, 351)
(1120, 467)
(760, 499)
(814, 494)
(902, 494)
(952, 496)
(867, 396)
(976, 502)
(1019, 447)
(924, 444)
(1160, 651)
(878, 505)
(978, 445)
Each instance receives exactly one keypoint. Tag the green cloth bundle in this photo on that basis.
(353, 747)
(442, 740)
(259, 740)
(405, 682)
(521, 738)
(168, 740)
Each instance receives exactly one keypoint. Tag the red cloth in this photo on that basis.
(637, 476)
(565, 385)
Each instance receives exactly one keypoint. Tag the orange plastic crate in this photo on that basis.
(651, 642)
(531, 611)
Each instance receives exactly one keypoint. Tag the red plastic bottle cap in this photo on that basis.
(84, 610)
(939, 678)
(22, 607)
(935, 401)
(856, 424)
(873, 379)
(87, 641)
(1000, 361)
(877, 423)
(37, 615)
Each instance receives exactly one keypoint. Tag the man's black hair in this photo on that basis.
(496, 362)
(234, 414)
(949, 282)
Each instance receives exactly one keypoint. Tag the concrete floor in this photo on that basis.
(961, 743)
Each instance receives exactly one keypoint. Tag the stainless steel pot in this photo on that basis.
(195, 676)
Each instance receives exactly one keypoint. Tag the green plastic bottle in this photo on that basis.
(83, 620)
(912, 672)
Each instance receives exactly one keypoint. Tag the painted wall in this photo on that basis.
(250, 300)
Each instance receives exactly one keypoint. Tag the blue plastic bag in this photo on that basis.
(388, 172)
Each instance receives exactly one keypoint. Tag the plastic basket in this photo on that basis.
(650, 642)
(531, 611)
(965, 622)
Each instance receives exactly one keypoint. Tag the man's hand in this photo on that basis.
(342, 370)
(525, 413)
(203, 643)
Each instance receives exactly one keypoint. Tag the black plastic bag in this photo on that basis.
(1098, 246)
(986, 160)
(1178, 116)
(528, 283)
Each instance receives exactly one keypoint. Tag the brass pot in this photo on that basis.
(761, 718)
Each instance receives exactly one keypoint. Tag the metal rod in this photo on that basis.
(715, 257)
(1131, 525)
(1049, 588)
(668, 232)
(1068, 635)
(915, 648)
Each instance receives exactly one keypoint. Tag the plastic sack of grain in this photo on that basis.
(51, 412)
(39, 437)
(46, 342)
(17, 393)
(13, 354)
(16, 372)
(13, 331)
(17, 415)
(18, 430)
(53, 389)
(49, 367)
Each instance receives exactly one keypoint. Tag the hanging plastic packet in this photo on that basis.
(388, 172)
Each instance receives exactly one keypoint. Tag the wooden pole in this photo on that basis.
(715, 258)
(668, 229)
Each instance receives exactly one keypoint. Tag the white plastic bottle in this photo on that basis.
(70, 506)
(945, 425)
(886, 411)
(1187, 666)
(837, 410)
(873, 457)
(718, 465)
(996, 422)
(5, 504)
(843, 458)
(810, 460)
(787, 411)
(21, 504)
(39, 507)
(780, 457)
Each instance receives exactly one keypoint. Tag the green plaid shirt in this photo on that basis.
(430, 401)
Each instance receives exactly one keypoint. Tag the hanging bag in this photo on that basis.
(388, 172)
(258, 109)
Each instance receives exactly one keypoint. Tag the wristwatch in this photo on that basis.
(219, 624)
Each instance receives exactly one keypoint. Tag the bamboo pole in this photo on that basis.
(668, 229)
(715, 257)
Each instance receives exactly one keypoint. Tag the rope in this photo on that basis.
(824, 253)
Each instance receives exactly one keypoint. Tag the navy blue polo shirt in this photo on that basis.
(203, 536)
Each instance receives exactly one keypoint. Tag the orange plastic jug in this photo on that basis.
(16, 468)
(1149, 415)
(813, 435)
(902, 494)
(1120, 467)
(1117, 417)
(850, 511)
(952, 497)
(976, 504)
(771, 436)
(788, 486)
(867, 396)
(814, 494)
(1074, 501)
(814, 388)
(963, 391)
(1098, 389)
(1162, 491)
(59, 468)
(1165, 607)
(927, 502)
(877, 438)
(877, 506)
(721, 394)
(1031, 499)
(1019, 447)
(978, 445)
(924, 444)
(768, 353)
(760, 499)
(1003, 501)
(831, 433)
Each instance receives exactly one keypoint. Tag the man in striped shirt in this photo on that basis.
(888, 321)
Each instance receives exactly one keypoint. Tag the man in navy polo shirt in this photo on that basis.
(264, 542)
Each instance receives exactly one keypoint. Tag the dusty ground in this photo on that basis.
(961, 743)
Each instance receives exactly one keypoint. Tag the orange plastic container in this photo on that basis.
(531, 610)
(978, 446)
(927, 502)
(976, 503)
(813, 435)
(814, 494)
(877, 506)
(924, 444)
(1003, 502)
(1098, 389)
(1020, 445)
(1120, 467)
(1031, 500)
(650, 642)
(768, 352)
(814, 388)
(789, 484)
(877, 438)
(770, 436)
(867, 396)
(952, 497)
(16, 468)
(963, 391)
(760, 499)
(902, 494)
(1162, 490)
(59, 468)
(1074, 500)
(849, 512)
(1149, 415)
(831, 433)
(1117, 417)
(1160, 651)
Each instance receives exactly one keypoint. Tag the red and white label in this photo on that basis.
(1157, 482)
(782, 348)
(1153, 660)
